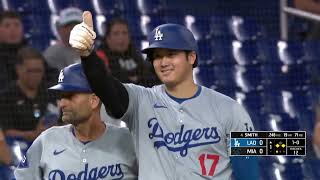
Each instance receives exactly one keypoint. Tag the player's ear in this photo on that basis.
(191, 57)
(95, 101)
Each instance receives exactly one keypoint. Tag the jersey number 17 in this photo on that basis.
(205, 160)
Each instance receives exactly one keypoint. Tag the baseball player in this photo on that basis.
(180, 128)
(87, 148)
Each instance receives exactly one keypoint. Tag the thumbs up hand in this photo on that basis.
(82, 35)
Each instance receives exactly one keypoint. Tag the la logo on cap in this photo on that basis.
(61, 76)
(158, 35)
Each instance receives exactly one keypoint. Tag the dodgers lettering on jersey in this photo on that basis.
(184, 139)
(95, 173)
(57, 154)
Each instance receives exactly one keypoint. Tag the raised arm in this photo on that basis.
(112, 93)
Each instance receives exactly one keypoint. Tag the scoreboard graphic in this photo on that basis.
(268, 143)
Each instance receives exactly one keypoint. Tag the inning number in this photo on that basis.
(208, 158)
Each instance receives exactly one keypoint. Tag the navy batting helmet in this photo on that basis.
(72, 79)
(171, 36)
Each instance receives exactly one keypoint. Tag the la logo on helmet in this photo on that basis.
(158, 35)
(61, 76)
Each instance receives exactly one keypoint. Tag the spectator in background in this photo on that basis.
(61, 54)
(6, 158)
(5, 153)
(11, 40)
(122, 58)
(24, 104)
(312, 6)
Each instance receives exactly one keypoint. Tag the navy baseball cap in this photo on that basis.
(72, 79)
(171, 36)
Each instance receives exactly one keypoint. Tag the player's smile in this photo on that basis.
(166, 71)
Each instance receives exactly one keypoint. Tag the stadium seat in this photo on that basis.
(57, 5)
(295, 76)
(278, 122)
(224, 74)
(129, 7)
(304, 100)
(311, 50)
(245, 53)
(268, 50)
(219, 27)
(290, 52)
(204, 74)
(199, 27)
(273, 101)
(150, 7)
(312, 69)
(205, 53)
(149, 22)
(311, 169)
(306, 120)
(221, 49)
(108, 7)
(253, 103)
(175, 18)
(26, 7)
(248, 78)
(290, 171)
(271, 76)
(244, 29)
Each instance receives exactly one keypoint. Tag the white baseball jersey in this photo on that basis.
(187, 141)
(58, 155)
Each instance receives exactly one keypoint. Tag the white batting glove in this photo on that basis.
(82, 35)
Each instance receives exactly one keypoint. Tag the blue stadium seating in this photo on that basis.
(108, 7)
(151, 7)
(278, 122)
(272, 101)
(252, 101)
(27, 7)
(290, 52)
(311, 169)
(58, 5)
(224, 75)
(271, 76)
(268, 50)
(219, 27)
(205, 74)
(306, 120)
(245, 53)
(204, 50)
(221, 49)
(288, 169)
(149, 22)
(174, 18)
(248, 78)
(201, 27)
(245, 29)
(303, 100)
(295, 76)
(311, 50)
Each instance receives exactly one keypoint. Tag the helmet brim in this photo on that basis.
(69, 88)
